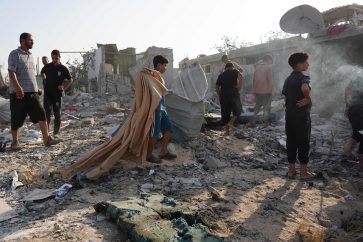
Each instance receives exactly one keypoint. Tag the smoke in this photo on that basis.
(332, 68)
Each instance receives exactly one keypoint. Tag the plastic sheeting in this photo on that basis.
(186, 115)
(4, 110)
(191, 83)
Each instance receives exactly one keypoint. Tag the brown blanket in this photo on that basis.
(130, 142)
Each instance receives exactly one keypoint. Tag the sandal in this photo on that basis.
(168, 156)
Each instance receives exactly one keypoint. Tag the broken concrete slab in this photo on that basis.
(38, 195)
(149, 219)
(6, 212)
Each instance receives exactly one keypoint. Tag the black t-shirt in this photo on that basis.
(55, 76)
(293, 93)
(228, 81)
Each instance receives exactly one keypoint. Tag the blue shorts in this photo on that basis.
(161, 123)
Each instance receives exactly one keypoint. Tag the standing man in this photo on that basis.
(24, 97)
(57, 80)
(298, 124)
(228, 85)
(262, 89)
(161, 122)
(354, 110)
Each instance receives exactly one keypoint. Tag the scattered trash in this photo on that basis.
(62, 191)
(349, 197)
(15, 182)
(151, 172)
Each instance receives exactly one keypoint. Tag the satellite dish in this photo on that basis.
(302, 19)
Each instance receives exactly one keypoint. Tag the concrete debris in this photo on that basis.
(215, 194)
(4, 110)
(38, 195)
(214, 163)
(6, 212)
(144, 218)
(15, 183)
(247, 171)
(310, 232)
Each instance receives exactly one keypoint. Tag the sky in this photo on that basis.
(188, 27)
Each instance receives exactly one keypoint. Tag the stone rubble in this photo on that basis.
(234, 184)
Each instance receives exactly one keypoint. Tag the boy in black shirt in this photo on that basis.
(298, 125)
(54, 75)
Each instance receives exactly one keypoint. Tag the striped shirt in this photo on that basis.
(22, 64)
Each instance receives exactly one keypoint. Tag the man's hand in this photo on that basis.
(61, 88)
(19, 92)
(303, 102)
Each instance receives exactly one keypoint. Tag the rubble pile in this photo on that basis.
(231, 185)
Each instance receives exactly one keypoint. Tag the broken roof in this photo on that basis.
(345, 12)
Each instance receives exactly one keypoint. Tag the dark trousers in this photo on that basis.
(298, 131)
(55, 104)
(355, 115)
(230, 102)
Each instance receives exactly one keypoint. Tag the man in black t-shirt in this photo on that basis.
(298, 124)
(228, 85)
(57, 79)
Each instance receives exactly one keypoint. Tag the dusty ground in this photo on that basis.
(259, 204)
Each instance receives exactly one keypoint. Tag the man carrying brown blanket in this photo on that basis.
(132, 139)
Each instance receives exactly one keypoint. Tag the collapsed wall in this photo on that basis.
(146, 60)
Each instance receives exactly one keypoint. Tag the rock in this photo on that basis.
(214, 163)
(88, 121)
(215, 194)
(31, 206)
(6, 212)
(311, 232)
(147, 187)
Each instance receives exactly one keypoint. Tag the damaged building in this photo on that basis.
(112, 70)
(337, 44)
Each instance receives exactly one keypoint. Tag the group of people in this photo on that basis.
(296, 90)
(24, 100)
(25, 93)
